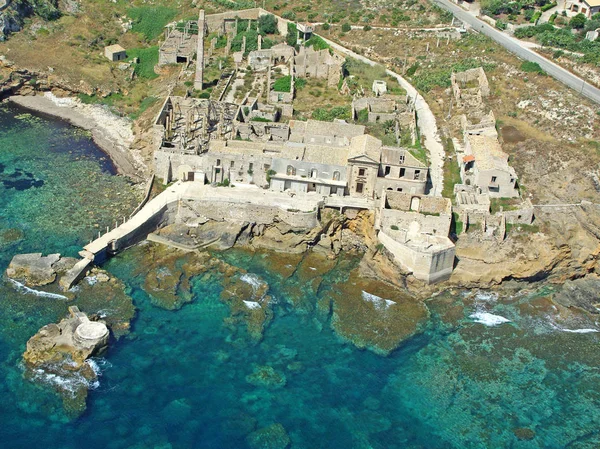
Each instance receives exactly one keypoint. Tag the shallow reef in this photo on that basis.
(372, 314)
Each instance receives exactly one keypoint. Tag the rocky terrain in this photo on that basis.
(58, 355)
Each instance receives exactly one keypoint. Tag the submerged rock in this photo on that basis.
(373, 315)
(58, 354)
(10, 236)
(523, 433)
(246, 296)
(271, 437)
(266, 376)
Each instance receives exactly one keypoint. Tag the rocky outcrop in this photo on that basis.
(485, 262)
(59, 354)
(581, 293)
(35, 270)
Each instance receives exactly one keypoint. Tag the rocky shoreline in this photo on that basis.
(111, 133)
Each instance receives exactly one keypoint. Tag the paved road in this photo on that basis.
(515, 46)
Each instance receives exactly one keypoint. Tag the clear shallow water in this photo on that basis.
(183, 378)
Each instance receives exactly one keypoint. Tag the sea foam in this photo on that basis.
(488, 319)
(24, 289)
(252, 304)
(379, 302)
(580, 331)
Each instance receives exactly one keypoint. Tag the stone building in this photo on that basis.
(415, 229)
(197, 141)
(400, 171)
(115, 53)
(586, 7)
(311, 63)
(179, 46)
(486, 166)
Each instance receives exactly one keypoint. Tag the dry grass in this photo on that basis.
(315, 94)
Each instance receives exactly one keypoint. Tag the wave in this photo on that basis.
(379, 302)
(252, 279)
(486, 296)
(24, 289)
(488, 319)
(579, 331)
(252, 304)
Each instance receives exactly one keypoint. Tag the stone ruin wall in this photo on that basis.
(218, 210)
(471, 97)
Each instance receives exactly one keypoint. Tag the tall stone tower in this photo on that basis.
(200, 52)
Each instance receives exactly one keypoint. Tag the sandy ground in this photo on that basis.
(113, 134)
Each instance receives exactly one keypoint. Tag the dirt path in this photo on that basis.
(425, 121)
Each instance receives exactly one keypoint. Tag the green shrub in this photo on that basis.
(316, 43)
(150, 21)
(413, 69)
(148, 59)
(292, 34)
(299, 83)
(326, 26)
(267, 24)
(500, 24)
(367, 28)
(532, 67)
(394, 228)
(363, 116)
(283, 84)
(346, 27)
(536, 16)
(327, 115)
(548, 6)
(46, 9)
(577, 21)
(289, 15)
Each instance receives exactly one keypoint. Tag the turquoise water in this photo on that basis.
(187, 378)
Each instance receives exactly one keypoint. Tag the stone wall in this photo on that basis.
(414, 223)
(400, 185)
(425, 204)
(240, 212)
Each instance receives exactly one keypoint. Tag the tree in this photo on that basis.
(267, 24)
(292, 34)
(346, 27)
(578, 21)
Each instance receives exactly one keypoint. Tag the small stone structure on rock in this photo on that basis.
(57, 354)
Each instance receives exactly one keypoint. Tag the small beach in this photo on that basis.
(113, 134)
